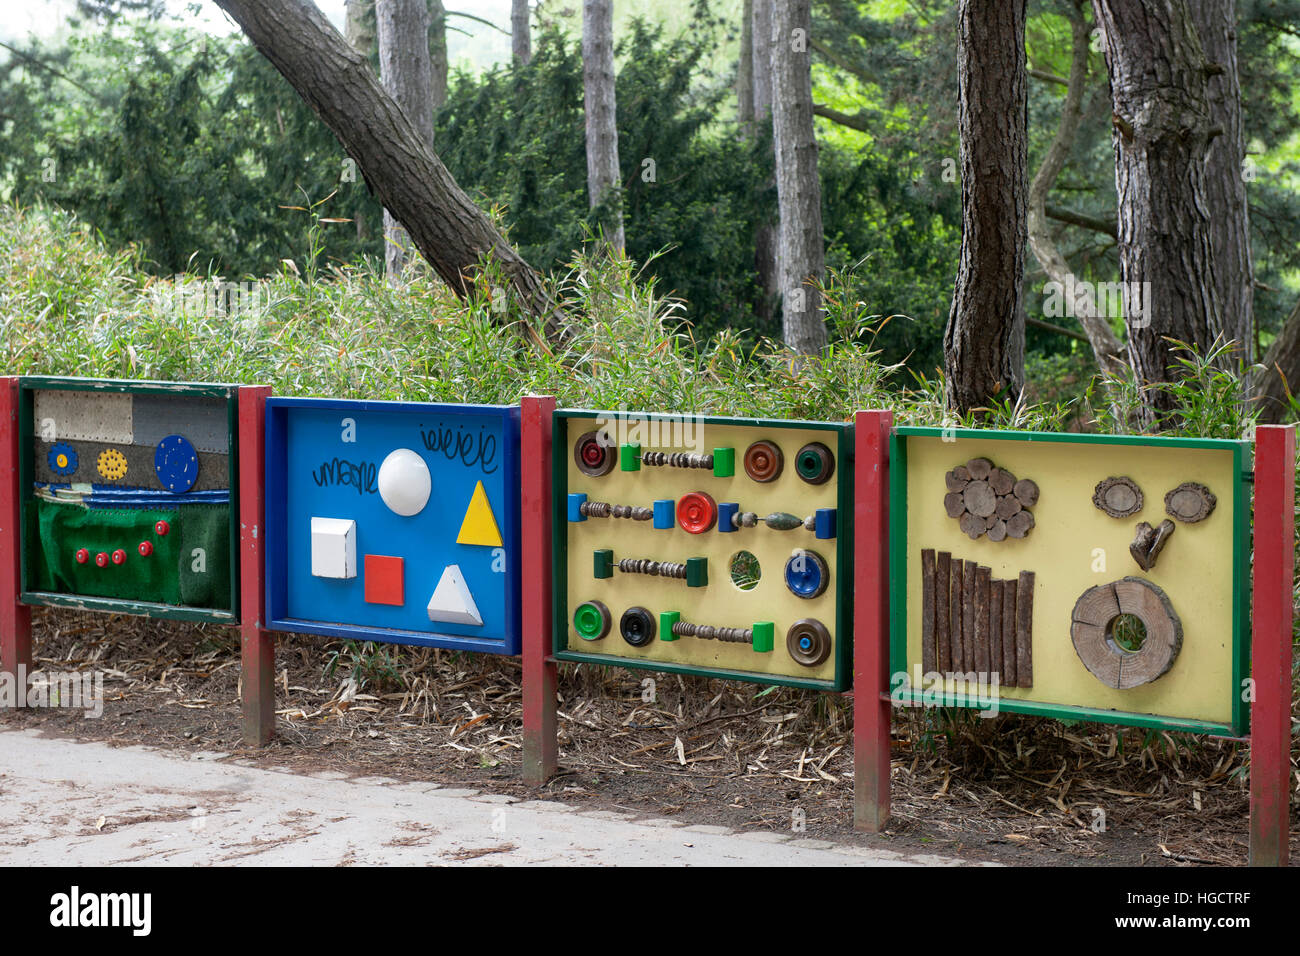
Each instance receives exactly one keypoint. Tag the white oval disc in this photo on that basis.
(404, 482)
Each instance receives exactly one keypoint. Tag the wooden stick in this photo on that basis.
(942, 631)
(968, 616)
(1024, 630)
(980, 605)
(1009, 664)
(995, 630)
(954, 616)
(928, 656)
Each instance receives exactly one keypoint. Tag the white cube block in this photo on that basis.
(333, 548)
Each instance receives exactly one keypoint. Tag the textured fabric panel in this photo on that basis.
(60, 415)
(214, 470)
(204, 421)
(205, 528)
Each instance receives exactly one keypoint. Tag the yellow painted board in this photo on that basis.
(721, 603)
(1075, 546)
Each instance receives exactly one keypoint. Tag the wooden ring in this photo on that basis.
(1091, 632)
(593, 457)
(764, 461)
(808, 642)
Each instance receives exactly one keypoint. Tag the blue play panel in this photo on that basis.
(394, 522)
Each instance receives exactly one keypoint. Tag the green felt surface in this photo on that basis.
(206, 527)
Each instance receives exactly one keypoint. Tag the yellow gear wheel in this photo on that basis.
(112, 464)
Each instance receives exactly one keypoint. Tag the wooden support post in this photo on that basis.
(1270, 732)
(15, 617)
(257, 645)
(539, 677)
(871, 705)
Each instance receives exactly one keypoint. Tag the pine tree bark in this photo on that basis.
(521, 40)
(1280, 376)
(745, 70)
(438, 52)
(1107, 349)
(765, 233)
(359, 25)
(403, 29)
(405, 175)
(1216, 22)
(801, 260)
(604, 181)
(984, 342)
(1162, 132)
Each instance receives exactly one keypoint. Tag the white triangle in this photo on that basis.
(451, 602)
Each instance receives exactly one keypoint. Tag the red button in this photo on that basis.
(145, 549)
(697, 512)
(82, 555)
(101, 559)
(119, 556)
(162, 527)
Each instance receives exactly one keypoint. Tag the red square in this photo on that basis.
(384, 580)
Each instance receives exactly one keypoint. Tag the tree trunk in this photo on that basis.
(359, 26)
(765, 233)
(1280, 376)
(801, 261)
(403, 172)
(745, 70)
(438, 52)
(403, 28)
(604, 181)
(1106, 346)
(1161, 138)
(1216, 22)
(984, 343)
(521, 40)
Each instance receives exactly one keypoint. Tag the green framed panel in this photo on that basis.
(700, 589)
(1203, 573)
(93, 507)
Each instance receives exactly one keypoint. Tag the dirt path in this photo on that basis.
(93, 804)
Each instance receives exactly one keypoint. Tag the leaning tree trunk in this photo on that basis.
(1279, 378)
(801, 261)
(1225, 188)
(984, 343)
(403, 27)
(405, 175)
(438, 52)
(604, 181)
(521, 40)
(1162, 134)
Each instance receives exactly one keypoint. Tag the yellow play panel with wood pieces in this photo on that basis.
(1104, 633)
(731, 609)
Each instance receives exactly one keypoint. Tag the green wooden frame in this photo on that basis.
(843, 551)
(28, 384)
(1242, 463)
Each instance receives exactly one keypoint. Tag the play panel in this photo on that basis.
(716, 546)
(1098, 577)
(394, 521)
(127, 491)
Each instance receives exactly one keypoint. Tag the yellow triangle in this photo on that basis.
(480, 525)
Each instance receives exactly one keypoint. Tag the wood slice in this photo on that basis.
(958, 655)
(1164, 637)
(995, 631)
(1008, 589)
(999, 530)
(927, 610)
(1093, 612)
(1002, 481)
(1024, 630)
(980, 606)
(1026, 491)
(962, 473)
(942, 583)
(1190, 502)
(1020, 524)
(979, 468)
(953, 482)
(1008, 506)
(968, 615)
(1096, 607)
(972, 525)
(1119, 496)
(980, 499)
(953, 504)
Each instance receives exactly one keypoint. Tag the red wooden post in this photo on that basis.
(540, 747)
(1270, 731)
(15, 618)
(257, 645)
(871, 703)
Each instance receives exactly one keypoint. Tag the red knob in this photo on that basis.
(101, 559)
(162, 527)
(82, 555)
(697, 512)
(145, 549)
(119, 556)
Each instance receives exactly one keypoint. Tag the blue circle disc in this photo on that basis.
(176, 463)
(63, 459)
(806, 574)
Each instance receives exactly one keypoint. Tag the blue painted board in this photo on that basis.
(323, 460)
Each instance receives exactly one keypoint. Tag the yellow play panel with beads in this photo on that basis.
(1074, 546)
(722, 603)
